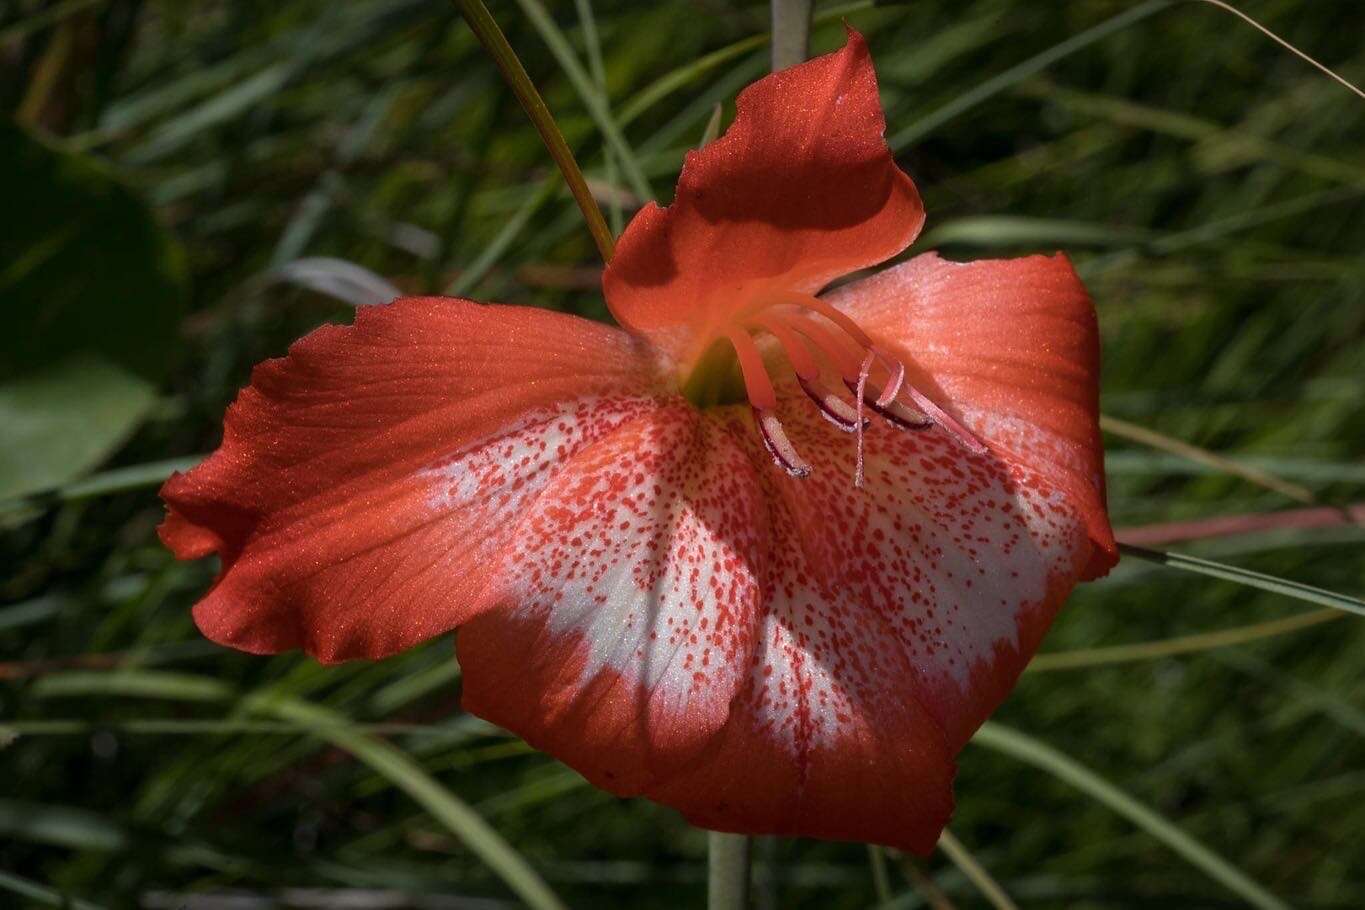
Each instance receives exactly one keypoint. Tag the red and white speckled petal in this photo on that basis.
(1011, 348)
(896, 618)
(367, 481)
(628, 603)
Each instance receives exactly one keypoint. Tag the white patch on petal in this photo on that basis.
(501, 473)
(644, 549)
(910, 588)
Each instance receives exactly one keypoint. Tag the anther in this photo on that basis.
(897, 412)
(778, 445)
(833, 408)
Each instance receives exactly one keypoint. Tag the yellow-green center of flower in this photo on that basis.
(817, 340)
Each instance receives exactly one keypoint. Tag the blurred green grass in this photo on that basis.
(1210, 187)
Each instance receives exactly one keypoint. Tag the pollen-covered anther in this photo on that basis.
(758, 386)
(833, 408)
(779, 446)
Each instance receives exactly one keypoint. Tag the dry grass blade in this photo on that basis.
(1228, 7)
(1236, 525)
(1134, 433)
(927, 888)
(1184, 644)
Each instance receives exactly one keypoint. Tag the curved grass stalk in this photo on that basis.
(1294, 589)
(1031, 751)
(404, 773)
(337, 729)
(1228, 7)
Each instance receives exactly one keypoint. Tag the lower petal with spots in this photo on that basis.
(896, 618)
(628, 604)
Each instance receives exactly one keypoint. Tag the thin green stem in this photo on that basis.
(593, 99)
(727, 883)
(791, 32)
(881, 879)
(975, 872)
(495, 42)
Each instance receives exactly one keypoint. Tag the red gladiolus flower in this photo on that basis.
(764, 556)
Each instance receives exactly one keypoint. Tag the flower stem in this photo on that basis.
(727, 884)
(791, 32)
(493, 40)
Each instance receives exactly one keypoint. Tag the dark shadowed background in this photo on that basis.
(189, 186)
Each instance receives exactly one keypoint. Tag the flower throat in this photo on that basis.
(809, 330)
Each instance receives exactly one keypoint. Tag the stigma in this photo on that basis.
(810, 332)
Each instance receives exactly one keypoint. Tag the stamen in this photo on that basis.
(833, 408)
(942, 418)
(900, 403)
(797, 352)
(757, 385)
(898, 413)
(860, 395)
(778, 445)
(842, 320)
(830, 344)
(888, 394)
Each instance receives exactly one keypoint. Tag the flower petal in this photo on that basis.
(800, 190)
(367, 481)
(1011, 349)
(628, 604)
(896, 618)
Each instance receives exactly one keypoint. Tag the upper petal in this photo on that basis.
(800, 190)
(367, 481)
(1010, 348)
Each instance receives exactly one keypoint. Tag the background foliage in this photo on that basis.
(192, 185)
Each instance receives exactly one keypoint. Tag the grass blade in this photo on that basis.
(1294, 589)
(452, 812)
(489, 256)
(1027, 749)
(1238, 525)
(594, 100)
(975, 872)
(1134, 433)
(41, 894)
(493, 40)
(1184, 644)
(1015, 74)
